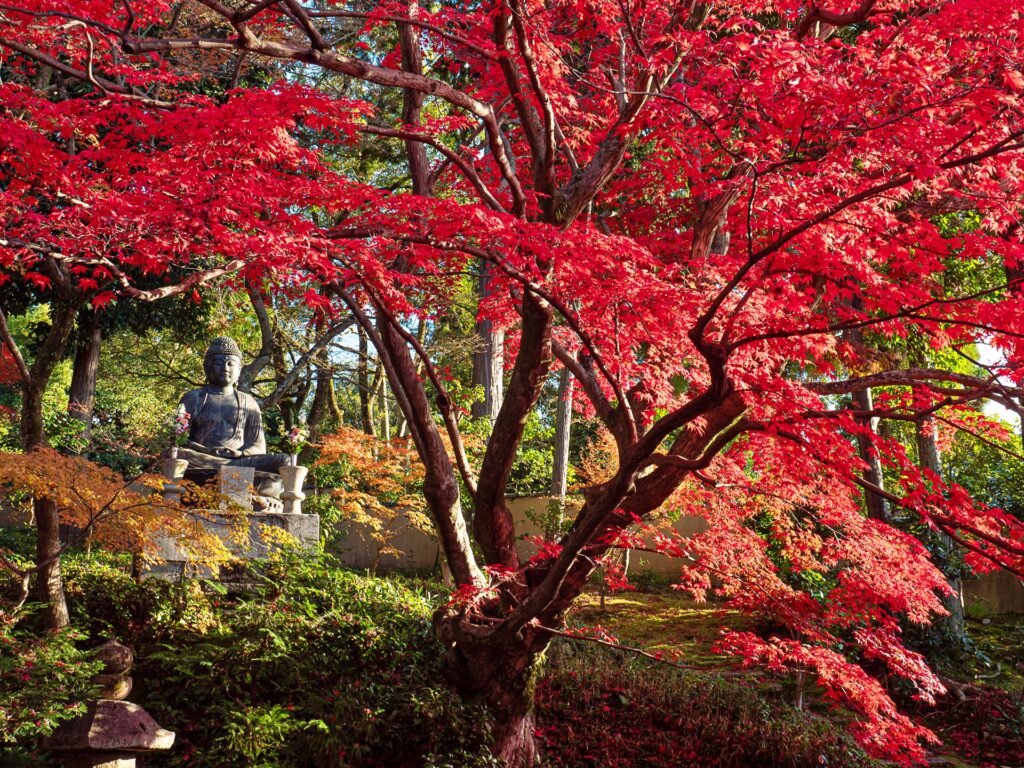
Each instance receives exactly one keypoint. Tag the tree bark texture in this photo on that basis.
(502, 670)
(876, 506)
(488, 358)
(492, 521)
(412, 101)
(82, 397)
(50, 584)
(563, 429)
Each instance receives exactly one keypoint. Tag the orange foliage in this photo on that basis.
(381, 485)
(598, 461)
(116, 514)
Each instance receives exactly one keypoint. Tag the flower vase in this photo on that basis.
(174, 470)
(292, 476)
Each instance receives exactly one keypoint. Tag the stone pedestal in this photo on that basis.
(225, 524)
(235, 486)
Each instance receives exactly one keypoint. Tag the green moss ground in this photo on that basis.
(667, 622)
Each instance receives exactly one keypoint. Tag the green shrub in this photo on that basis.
(105, 601)
(44, 678)
(310, 665)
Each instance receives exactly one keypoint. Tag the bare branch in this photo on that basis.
(303, 362)
(904, 377)
(106, 86)
(186, 285)
(489, 55)
(307, 26)
(467, 170)
(257, 9)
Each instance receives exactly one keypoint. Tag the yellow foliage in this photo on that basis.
(382, 485)
(388, 470)
(598, 462)
(112, 512)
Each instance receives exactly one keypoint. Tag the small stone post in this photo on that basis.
(174, 470)
(293, 495)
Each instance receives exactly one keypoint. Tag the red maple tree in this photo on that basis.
(701, 209)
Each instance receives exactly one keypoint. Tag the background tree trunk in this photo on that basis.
(563, 429)
(363, 384)
(324, 414)
(50, 584)
(930, 458)
(268, 342)
(876, 506)
(488, 358)
(385, 412)
(82, 397)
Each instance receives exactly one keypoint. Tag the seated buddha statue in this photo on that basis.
(225, 424)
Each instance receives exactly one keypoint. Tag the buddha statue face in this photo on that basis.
(222, 370)
(223, 362)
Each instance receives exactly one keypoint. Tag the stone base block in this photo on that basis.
(243, 533)
(94, 760)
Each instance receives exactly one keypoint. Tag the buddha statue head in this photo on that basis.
(222, 362)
